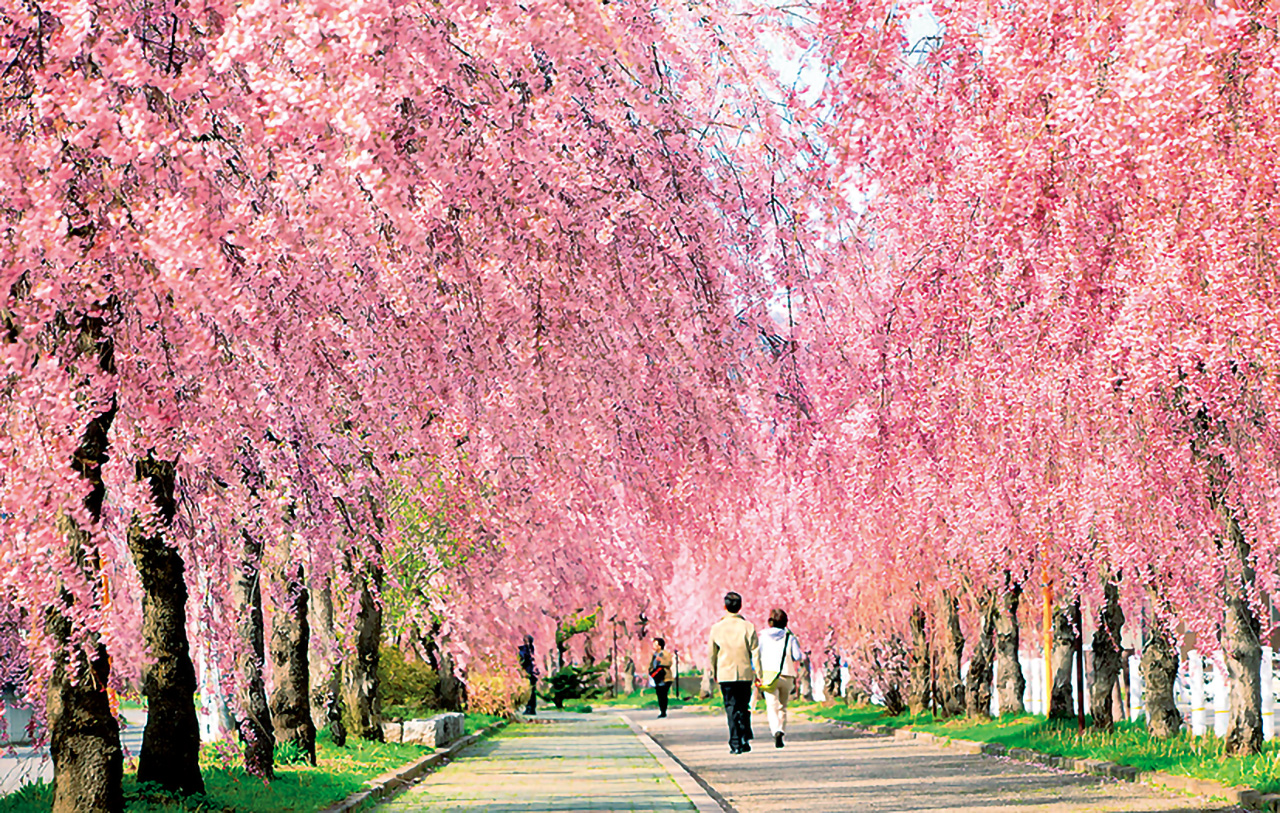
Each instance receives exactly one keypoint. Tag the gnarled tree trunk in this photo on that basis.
(1062, 698)
(1242, 650)
(1009, 669)
(1159, 671)
(918, 686)
(84, 737)
(831, 677)
(255, 724)
(325, 664)
(170, 754)
(290, 639)
(950, 681)
(804, 676)
(1108, 657)
(977, 685)
(360, 669)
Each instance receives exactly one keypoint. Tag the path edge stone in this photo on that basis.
(689, 785)
(392, 782)
(1241, 795)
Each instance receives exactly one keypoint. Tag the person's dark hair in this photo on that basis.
(732, 601)
(778, 618)
(662, 642)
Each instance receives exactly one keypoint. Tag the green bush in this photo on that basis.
(573, 682)
(407, 686)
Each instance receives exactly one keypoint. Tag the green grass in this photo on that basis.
(1128, 744)
(648, 699)
(296, 788)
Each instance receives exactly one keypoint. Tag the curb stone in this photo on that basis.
(1241, 795)
(688, 782)
(393, 781)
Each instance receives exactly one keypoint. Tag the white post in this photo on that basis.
(1268, 696)
(844, 679)
(1135, 687)
(1196, 662)
(818, 683)
(995, 688)
(1221, 701)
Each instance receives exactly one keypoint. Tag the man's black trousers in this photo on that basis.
(737, 707)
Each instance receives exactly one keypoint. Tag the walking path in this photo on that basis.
(579, 762)
(829, 768)
(596, 762)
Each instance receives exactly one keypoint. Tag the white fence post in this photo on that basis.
(1268, 696)
(1135, 687)
(1196, 662)
(1221, 701)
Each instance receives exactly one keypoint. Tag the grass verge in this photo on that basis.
(296, 788)
(1129, 744)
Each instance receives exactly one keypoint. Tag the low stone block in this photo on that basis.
(435, 732)
(1022, 754)
(1125, 773)
(904, 734)
(1269, 801)
(1097, 767)
(392, 732)
(995, 749)
(1246, 797)
(967, 746)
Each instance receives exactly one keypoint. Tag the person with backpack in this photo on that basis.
(660, 671)
(779, 654)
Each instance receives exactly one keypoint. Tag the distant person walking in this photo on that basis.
(733, 657)
(660, 671)
(531, 671)
(779, 654)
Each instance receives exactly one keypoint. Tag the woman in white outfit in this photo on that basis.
(779, 652)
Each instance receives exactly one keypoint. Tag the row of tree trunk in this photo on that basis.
(936, 684)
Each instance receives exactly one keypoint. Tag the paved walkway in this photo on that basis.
(828, 768)
(23, 764)
(579, 762)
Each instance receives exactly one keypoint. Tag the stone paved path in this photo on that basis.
(827, 768)
(578, 762)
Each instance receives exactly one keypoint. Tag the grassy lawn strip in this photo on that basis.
(644, 699)
(296, 788)
(1128, 744)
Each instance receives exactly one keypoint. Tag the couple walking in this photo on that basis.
(739, 658)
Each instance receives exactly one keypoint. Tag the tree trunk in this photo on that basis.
(1108, 657)
(325, 664)
(453, 691)
(1159, 671)
(918, 693)
(84, 737)
(978, 681)
(1012, 682)
(1062, 698)
(170, 754)
(831, 677)
(628, 676)
(1243, 651)
(255, 724)
(950, 681)
(290, 639)
(360, 672)
(804, 678)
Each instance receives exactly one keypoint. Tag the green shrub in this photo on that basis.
(409, 686)
(573, 682)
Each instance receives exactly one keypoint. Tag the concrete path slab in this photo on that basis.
(829, 768)
(576, 762)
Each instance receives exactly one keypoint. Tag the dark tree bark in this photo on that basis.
(255, 726)
(290, 639)
(1159, 671)
(453, 692)
(171, 741)
(1108, 658)
(1242, 647)
(326, 665)
(360, 669)
(804, 676)
(1009, 671)
(84, 737)
(950, 681)
(1062, 699)
(831, 677)
(919, 694)
(978, 681)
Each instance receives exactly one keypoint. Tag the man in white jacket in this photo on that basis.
(779, 653)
